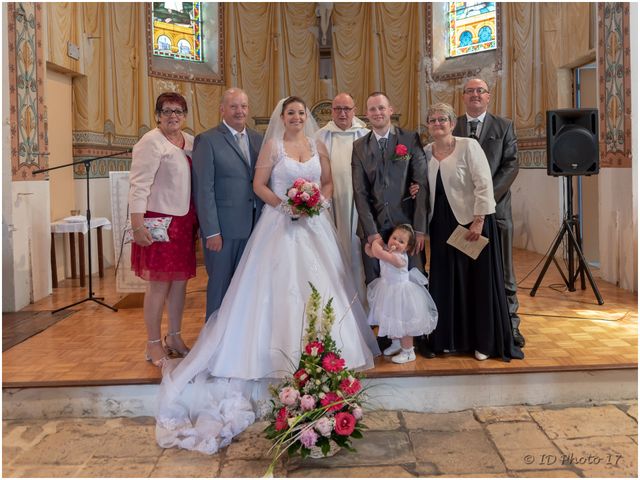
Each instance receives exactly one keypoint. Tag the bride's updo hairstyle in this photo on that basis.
(290, 100)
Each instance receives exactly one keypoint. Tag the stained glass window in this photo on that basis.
(177, 30)
(472, 27)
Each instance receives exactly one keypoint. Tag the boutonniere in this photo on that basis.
(401, 153)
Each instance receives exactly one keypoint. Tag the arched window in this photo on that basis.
(184, 48)
(182, 22)
(164, 43)
(471, 27)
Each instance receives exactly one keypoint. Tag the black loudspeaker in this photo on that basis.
(572, 142)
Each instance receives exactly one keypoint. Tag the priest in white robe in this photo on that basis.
(338, 135)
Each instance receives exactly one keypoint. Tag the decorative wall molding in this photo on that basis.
(531, 159)
(614, 72)
(26, 91)
(100, 168)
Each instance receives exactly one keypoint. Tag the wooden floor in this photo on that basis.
(95, 346)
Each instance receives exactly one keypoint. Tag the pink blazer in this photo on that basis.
(160, 175)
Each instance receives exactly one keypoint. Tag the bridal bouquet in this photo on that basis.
(318, 408)
(305, 197)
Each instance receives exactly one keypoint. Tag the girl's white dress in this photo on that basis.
(254, 338)
(399, 303)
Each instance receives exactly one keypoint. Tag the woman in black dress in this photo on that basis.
(472, 307)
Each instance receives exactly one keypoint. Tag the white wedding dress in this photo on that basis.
(255, 338)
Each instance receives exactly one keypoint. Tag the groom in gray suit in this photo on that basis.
(224, 160)
(381, 175)
(498, 140)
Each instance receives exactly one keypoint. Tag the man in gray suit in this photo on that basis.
(498, 140)
(381, 177)
(224, 160)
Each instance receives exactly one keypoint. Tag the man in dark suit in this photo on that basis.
(381, 176)
(498, 140)
(224, 160)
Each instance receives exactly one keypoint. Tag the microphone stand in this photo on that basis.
(87, 163)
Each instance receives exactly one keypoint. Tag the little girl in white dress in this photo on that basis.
(399, 303)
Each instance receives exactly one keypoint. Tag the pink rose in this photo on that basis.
(357, 413)
(345, 424)
(292, 193)
(324, 426)
(289, 396)
(332, 363)
(307, 402)
(308, 437)
(299, 182)
(304, 196)
(350, 385)
(314, 348)
(401, 150)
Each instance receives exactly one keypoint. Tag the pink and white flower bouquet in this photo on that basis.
(305, 197)
(321, 402)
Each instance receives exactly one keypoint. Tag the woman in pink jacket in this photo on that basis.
(160, 179)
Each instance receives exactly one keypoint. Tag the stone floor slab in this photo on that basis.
(120, 467)
(185, 471)
(546, 474)
(248, 468)
(456, 453)
(579, 422)
(42, 471)
(502, 414)
(61, 448)
(610, 456)
(250, 444)
(351, 472)
(441, 422)
(132, 441)
(522, 435)
(381, 420)
(523, 458)
(376, 448)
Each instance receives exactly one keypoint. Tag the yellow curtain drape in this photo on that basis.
(378, 47)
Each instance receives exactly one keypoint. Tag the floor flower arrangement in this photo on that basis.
(319, 406)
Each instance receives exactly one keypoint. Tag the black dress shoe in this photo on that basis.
(426, 352)
(518, 339)
(383, 343)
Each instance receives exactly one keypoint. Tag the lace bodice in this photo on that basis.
(286, 170)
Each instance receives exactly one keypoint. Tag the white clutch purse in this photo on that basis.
(157, 226)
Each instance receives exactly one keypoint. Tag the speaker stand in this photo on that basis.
(571, 228)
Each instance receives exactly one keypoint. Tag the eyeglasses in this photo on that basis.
(479, 91)
(440, 120)
(342, 109)
(167, 112)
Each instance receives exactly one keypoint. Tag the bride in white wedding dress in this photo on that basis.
(254, 339)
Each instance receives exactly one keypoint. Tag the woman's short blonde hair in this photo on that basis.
(443, 108)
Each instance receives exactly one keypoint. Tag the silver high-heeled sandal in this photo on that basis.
(175, 351)
(158, 363)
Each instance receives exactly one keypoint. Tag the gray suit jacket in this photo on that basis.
(498, 140)
(381, 185)
(223, 183)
